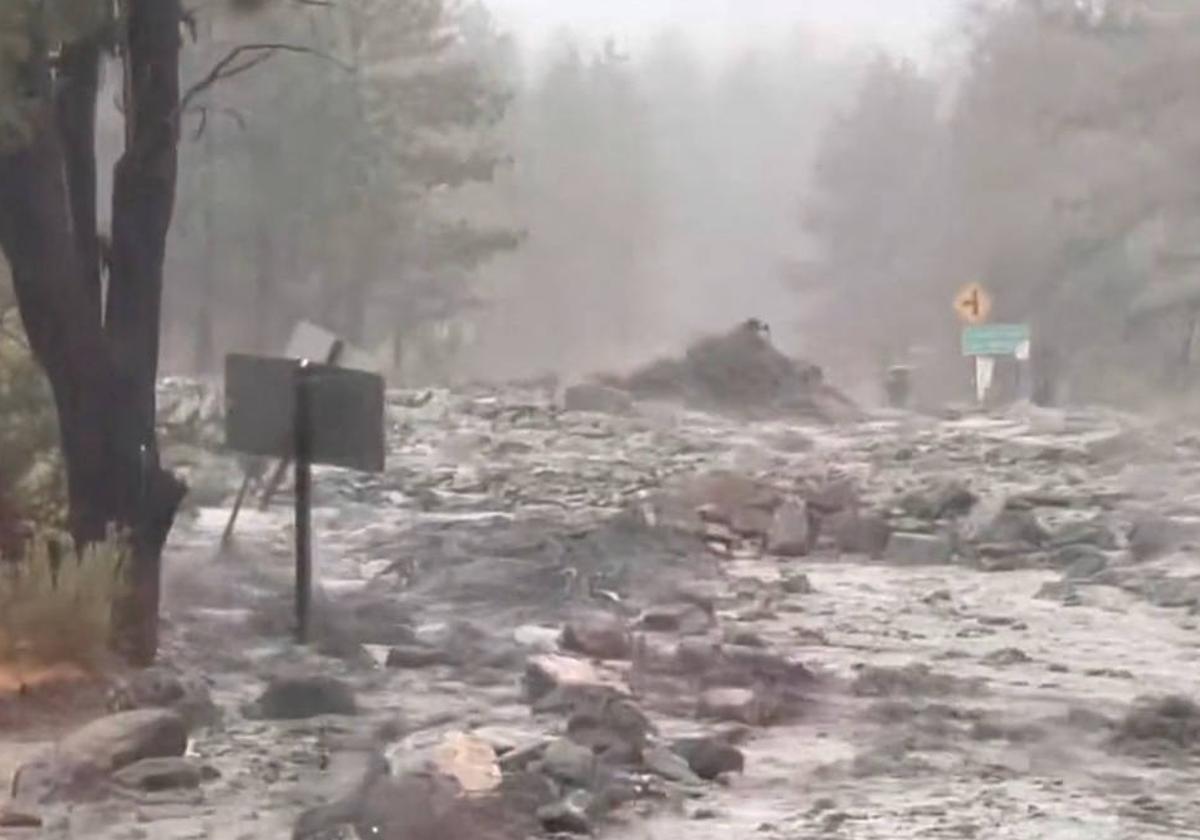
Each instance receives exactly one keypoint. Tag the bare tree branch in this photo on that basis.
(246, 57)
(205, 110)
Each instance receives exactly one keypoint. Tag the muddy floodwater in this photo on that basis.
(907, 627)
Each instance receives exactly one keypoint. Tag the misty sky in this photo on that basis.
(909, 25)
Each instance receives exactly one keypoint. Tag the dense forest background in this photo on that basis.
(419, 182)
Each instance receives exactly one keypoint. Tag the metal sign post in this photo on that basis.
(303, 494)
(988, 342)
(311, 414)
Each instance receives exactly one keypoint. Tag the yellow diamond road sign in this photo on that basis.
(973, 304)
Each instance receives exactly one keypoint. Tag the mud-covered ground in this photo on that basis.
(985, 675)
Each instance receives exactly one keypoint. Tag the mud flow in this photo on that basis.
(597, 612)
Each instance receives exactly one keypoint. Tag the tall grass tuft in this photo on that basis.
(56, 605)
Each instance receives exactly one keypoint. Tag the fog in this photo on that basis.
(651, 159)
(721, 27)
(578, 187)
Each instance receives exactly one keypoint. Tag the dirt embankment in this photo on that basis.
(742, 373)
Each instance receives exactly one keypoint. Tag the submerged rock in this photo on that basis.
(601, 399)
(919, 550)
(710, 756)
(300, 696)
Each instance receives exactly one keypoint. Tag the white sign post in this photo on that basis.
(988, 342)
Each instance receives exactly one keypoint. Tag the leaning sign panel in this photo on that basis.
(339, 412)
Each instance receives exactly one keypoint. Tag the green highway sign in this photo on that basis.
(996, 340)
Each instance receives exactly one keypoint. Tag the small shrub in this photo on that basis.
(32, 478)
(56, 604)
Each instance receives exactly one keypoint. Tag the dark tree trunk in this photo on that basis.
(103, 374)
(78, 86)
(143, 205)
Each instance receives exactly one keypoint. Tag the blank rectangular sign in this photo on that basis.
(345, 410)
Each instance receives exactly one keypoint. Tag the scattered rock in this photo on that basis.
(1153, 535)
(1013, 527)
(601, 399)
(938, 596)
(743, 705)
(469, 645)
(606, 724)
(12, 816)
(1007, 656)
(1094, 533)
(832, 496)
(919, 550)
(158, 688)
(1155, 724)
(415, 805)
(697, 655)
(710, 757)
(154, 775)
(939, 500)
(569, 762)
(670, 765)
(1062, 591)
(862, 534)
(703, 594)
(537, 639)
(788, 535)
(300, 696)
(915, 680)
(1081, 562)
(752, 523)
(797, 584)
(1173, 593)
(1088, 720)
(717, 496)
(685, 619)
(548, 673)
(765, 666)
(470, 761)
(744, 637)
(415, 656)
(599, 635)
(348, 776)
(564, 818)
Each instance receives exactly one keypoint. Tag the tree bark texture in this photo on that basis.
(103, 372)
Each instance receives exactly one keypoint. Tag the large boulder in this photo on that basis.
(83, 762)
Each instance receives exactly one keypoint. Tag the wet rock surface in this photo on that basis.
(988, 634)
